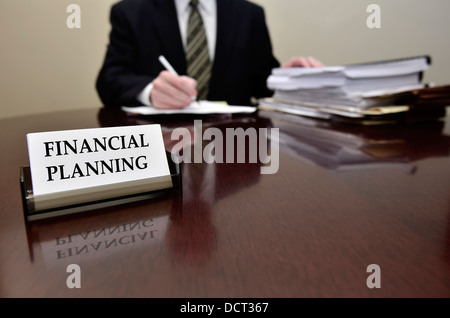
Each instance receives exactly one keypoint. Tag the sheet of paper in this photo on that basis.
(201, 107)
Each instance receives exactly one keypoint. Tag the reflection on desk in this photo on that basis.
(99, 235)
(343, 147)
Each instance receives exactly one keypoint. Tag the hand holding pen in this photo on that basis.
(171, 91)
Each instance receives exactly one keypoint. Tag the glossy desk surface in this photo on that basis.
(344, 197)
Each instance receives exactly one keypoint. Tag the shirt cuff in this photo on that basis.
(144, 95)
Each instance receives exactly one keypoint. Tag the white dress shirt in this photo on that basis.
(208, 11)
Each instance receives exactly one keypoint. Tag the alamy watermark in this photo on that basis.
(73, 21)
(374, 19)
(374, 279)
(237, 141)
(74, 279)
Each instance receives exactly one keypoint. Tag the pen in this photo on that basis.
(169, 67)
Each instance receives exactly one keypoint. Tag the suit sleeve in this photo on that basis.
(120, 80)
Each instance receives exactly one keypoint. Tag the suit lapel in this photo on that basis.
(166, 24)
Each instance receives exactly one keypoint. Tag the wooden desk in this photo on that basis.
(310, 230)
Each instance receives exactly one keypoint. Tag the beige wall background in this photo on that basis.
(46, 66)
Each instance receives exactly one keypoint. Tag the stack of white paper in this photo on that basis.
(349, 90)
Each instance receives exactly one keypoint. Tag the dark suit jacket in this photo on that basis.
(144, 29)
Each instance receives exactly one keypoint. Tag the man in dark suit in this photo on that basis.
(142, 30)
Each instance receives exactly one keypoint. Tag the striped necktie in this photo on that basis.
(197, 54)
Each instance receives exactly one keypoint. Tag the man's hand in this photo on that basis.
(300, 61)
(171, 91)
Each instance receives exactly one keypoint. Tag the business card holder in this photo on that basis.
(33, 213)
